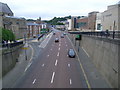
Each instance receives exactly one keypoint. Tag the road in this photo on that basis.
(53, 68)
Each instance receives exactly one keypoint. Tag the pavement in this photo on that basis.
(50, 66)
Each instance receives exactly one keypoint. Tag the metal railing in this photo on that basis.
(10, 45)
(102, 34)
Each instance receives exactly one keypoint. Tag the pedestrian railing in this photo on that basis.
(10, 45)
(102, 34)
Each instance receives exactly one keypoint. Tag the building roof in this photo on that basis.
(32, 24)
(5, 9)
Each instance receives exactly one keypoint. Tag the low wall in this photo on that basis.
(9, 58)
(104, 54)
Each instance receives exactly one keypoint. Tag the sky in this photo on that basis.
(47, 9)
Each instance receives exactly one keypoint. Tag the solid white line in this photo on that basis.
(27, 66)
(56, 62)
(34, 81)
(85, 52)
(70, 81)
(68, 65)
(52, 77)
(32, 53)
(43, 65)
(86, 79)
(58, 54)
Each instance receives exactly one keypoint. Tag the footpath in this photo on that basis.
(95, 79)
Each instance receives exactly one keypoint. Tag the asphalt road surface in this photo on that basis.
(53, 68)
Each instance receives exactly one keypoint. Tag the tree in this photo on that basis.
(7, 35)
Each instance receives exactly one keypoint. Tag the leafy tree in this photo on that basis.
(7, 35)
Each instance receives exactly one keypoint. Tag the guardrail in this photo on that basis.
(10, 45)
(105, 34)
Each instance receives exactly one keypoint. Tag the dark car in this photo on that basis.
(53, 33)
(56, 40)
(71, 53)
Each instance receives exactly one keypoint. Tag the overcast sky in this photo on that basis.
(47, 9)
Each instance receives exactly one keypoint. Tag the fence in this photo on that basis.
(105, 34)
(10, 45)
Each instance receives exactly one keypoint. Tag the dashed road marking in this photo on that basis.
(70, 81)
(56, 62)
(48, 55)
(52, 77)
(59, 44)
(51, 49)
(66, 45)
(34, 81)
(59, 48)
(43, 65)
(68, 65)
(58, 54)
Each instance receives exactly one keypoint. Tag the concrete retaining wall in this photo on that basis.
(104, 53)
(9, 57)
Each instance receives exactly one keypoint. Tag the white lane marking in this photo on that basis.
(45, 42)
(86, 79)
(48, 55)
(68, 65)
(85, 52)
(34, 81)
(51, 49)
(27, 66)
(58, 54)
(59, 44)
(52, 77)
(66, 45)
(43, 65)
(70, 81)
(32, 53)
(59, 48)
(56, 62)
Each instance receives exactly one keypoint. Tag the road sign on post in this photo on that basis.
(78, 37)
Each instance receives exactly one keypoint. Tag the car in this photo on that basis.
(64, 33)
(62, 36)
(71, 53)
(53, 33)
(56, 40)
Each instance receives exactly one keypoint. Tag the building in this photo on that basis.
(72, 23)
(98, 22)
(82, 23)
(8, 21)
(111, 18)
(33, 29)
(92, 20)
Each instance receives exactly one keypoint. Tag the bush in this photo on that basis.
(7, 35)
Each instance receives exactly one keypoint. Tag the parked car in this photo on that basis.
(56, 40)
(71, 53)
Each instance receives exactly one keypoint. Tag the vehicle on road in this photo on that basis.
(62, 36)
(71, 53)
(56, 40)
(53, 33)
(64, 33)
